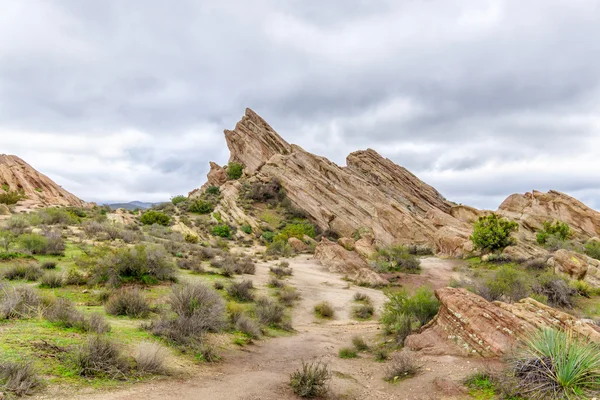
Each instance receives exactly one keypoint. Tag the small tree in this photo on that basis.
(178, 199)
(155, 217)
(558, 229)
(492, 233)
(234, 171)
(6, 239)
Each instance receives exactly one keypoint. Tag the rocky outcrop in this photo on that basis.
(297, 244)
(576, 266)
(532, 209)
(337, 259)
(17, 175)
(468, 324)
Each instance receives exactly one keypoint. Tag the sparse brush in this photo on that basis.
(401, 365)
(245, 265)
(97, 323)
(150, 358)
(49, 265)
(228, 270)
(363, 311)
(381, 355)
(100, 357)
(241, 290)
(129, 302)
(311, 380)
(361, 297)
(281, 272)
(18, 302)
(582, 288)
(275, 283)
(269, 312)
(347, 352)
(359, 343)
(19, 378)
(324, 310)
(287, 296)
(52, 280)
(28, 272)
(248, 326)
(218, 285)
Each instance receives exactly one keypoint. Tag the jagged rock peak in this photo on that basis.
(16, 174)
(253, 142)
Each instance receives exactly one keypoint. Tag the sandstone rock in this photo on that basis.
(337, 259)
(39, 189)
(309, 241)
(297, 244)
(347, 243)
(449, 388)
(365, 246)
(4, 210)
(467, 214)
(469, 324)
(576, 266)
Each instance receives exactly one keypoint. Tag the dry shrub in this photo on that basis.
(63, 313)
(18, 378)
(281, 271)
(18, 302)
(287, 296)
(401, 365)
(275, 283)
(311, 380)
(52, 280)
(150, 358)
(248, 326)
(241, 290)
(269, 312)
(28, 272)
(324, 310)
(49, 265)
(363, 311)
(100, 357)
(361, 297)
(359, 343)
(129, 302)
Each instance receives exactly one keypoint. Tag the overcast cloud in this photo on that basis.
(121, 100)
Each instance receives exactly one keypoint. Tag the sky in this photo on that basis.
(127, 100)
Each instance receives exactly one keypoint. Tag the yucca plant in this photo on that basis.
(554, 364)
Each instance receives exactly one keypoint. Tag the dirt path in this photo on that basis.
(262, 370)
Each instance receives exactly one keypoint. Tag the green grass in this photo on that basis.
(347, 352)
(481, 386)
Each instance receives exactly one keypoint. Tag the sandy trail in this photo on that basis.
(262, 370)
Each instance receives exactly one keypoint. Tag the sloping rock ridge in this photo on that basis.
(16, 174)
(467, 324)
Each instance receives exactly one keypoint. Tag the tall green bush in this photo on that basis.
(559, 230)
(493, 233)
(234, 171)
(152, 217)
(403, 312)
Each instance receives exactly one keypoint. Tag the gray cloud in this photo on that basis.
(123, 100)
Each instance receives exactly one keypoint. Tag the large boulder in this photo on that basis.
(347, 243)
(467, 324)
(338, 259)
(297, 244)
(576, 266)
(365, 246)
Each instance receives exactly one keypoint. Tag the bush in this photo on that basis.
(245, 265)
(128, 302)
(152, 217)
(400, 366)
(49, 265)
(199, 206)
(560, 230)
(150, 358)
(281, 271)
(493, 233)
(63, 313)
(248, 327)
(363, 311)
(234, 171)
(508, 283)
(359, 343)
(28, 272)
(592, 249)
(10, 197)
(280, 247)
(275, 283)
(100, 357)
(347, 352)
(269, 312)
(19, 378)
(555, 289)
(557, 365)
(147, 264)
(264, 192)
(397, 258)
(178, 199)
(310, 380)
(241, 290)
(381, 355)
(52, 280)
(247, 229)
(33, 243)
(402, 312)
(287, 296)
(7, 238)
(361, 297)
(74, 277)
(56, 216)
(324, 310)
(18, 302)
(221, 230)
(214, 190)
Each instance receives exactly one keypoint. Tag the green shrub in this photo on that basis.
(493, 233)
(347, 352)
(402, 312)
(19, 378)
(363, 311)
(361, 297)
(297, 230)
(152, 217)
(222, 230)
(52, 280)
(28, 272)
(49, 265)
(280, 248)
(56, 216)
(592, 249)
(268, 236)
(33, 243)
(214, 190)
(311, 380)
(553, 364)
(234, 171)
(508, 283)
(10, 197)
(200, 206)
(247, 229)
(397, 258)
(63, 313)
(324, 310)
(558, 229)
(359, 343)
(178, 199)
(7, 238)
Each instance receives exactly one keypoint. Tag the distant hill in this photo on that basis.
(131, 205)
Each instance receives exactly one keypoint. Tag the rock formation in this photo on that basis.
(468, 324)
(17, 175)
(576, 266)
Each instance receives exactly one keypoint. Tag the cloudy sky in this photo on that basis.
(121, 100)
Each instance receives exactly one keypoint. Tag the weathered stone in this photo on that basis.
(347, 243)
(297, 244)
(39, 189)
(365, 246)
(468, 324)
(576, 266)
(4, 210)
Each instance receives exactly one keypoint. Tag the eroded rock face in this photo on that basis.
(576, 266)
(39, 189)
(469, 324)
(337, 259)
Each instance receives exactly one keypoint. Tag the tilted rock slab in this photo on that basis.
(576, 266)
(467, 324)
